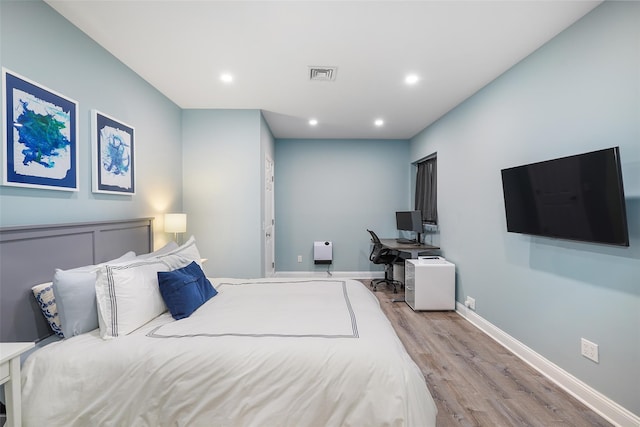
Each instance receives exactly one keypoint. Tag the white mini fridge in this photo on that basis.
(430, 284)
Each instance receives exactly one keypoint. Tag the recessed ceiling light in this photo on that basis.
(378, 122)
(313, 122)
(226, 78)
(411, 79)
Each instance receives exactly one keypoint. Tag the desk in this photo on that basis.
(414, 249)
(10, 377)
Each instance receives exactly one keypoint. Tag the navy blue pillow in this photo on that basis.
(185, 289)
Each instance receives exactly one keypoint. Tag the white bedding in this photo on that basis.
(260, 353)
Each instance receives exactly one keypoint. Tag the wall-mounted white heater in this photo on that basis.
(322, 252)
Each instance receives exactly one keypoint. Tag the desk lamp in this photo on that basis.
(175, 223)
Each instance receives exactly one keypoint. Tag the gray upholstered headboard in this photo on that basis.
(29, 255)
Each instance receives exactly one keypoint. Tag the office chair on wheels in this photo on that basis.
(381, 255)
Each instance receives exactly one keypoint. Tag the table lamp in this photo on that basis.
(175, 223)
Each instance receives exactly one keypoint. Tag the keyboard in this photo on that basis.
(405, 241)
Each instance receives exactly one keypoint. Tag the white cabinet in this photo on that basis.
(430, 284)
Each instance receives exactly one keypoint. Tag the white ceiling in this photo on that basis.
(455, 47)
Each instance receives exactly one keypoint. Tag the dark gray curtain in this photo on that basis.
(426, 190)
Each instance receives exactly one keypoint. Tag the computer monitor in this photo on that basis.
(410, 221)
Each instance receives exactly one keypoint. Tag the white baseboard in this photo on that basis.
(334, 274)
(595, 400)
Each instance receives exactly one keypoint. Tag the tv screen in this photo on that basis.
(578, 197)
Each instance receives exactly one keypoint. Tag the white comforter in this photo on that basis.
(274, 353)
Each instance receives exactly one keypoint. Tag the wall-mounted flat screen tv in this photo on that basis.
(578, 197)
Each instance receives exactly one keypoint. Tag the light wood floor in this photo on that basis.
(473, 379)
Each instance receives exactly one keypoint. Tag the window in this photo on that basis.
(426, 189)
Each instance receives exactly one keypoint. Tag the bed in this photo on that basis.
(260, 352)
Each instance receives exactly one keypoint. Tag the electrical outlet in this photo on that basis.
(589, 349)
(299, 258)
(470, 303)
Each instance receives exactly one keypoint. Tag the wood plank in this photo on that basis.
(473, 379)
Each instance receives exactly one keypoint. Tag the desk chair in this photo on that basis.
(381, 255)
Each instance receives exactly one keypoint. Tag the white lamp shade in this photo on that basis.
(175, 223)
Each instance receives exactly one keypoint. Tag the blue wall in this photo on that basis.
(578, 93)
(334, 190)
(36, 42)
(223, 188)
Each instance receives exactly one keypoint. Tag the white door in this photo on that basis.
(269, 220)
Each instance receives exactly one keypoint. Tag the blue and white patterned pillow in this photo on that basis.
(47, 302)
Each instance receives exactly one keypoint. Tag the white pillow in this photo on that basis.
(127, 296)
(52, 309)
(75, 293)
(163, 250)
(127, 293)
(183, 256)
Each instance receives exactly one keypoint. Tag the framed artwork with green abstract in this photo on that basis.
(40, 136)
(113, 148)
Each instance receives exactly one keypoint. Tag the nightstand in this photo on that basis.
(10, 376)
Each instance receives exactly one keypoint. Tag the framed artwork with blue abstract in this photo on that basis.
(113, 155)
(40, 136)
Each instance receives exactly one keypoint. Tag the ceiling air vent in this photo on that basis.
(323, 74)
